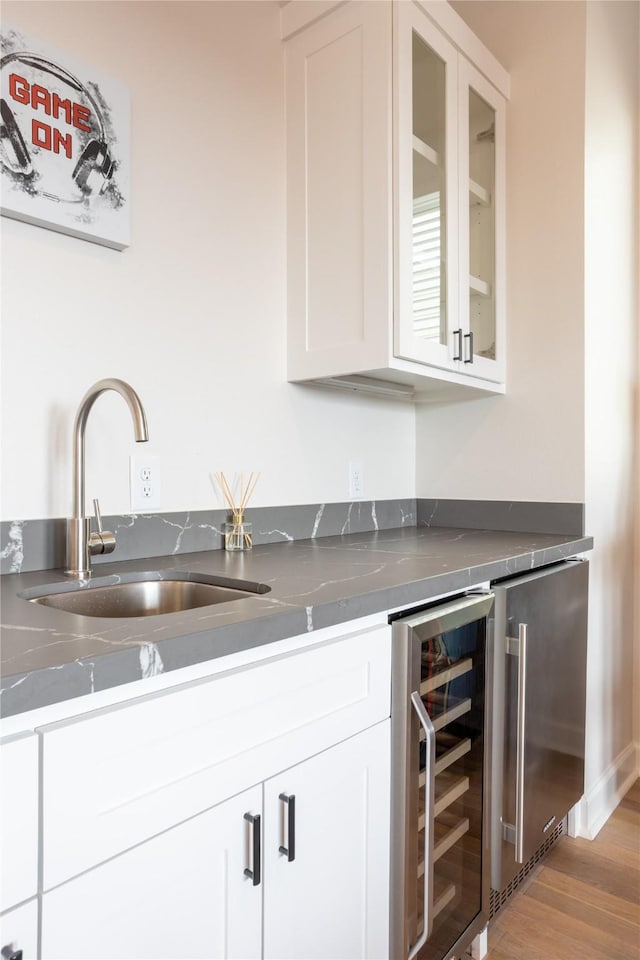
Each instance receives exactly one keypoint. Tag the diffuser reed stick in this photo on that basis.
(237, 533)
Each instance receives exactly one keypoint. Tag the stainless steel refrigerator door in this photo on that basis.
(539, 710)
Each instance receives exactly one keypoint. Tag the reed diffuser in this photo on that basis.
(238, 533)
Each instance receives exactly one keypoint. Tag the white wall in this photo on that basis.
(193, 313)
(611, 329)
(636, 593)
(528, 445)
(566, 428)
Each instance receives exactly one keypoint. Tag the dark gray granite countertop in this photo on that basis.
(48, 655)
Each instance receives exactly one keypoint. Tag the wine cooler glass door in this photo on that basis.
(445, 826)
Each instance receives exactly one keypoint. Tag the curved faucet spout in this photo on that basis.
(79, 547)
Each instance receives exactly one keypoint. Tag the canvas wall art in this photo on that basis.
(64, 143)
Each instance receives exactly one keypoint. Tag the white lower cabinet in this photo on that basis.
(18, 820)
(182, 895)
(331, 901)
(19, 932)
(318, 888)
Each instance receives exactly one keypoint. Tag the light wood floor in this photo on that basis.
(583, 902)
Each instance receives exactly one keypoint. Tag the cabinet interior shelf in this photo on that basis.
(479, 287)
(479, 195)
(426, 151)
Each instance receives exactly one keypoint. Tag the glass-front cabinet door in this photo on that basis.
(449, 140)
(481, 254)
(426, 199)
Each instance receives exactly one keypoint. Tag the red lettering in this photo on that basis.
(58, 105)
(37, 96)
(41, 134)
(81, 117)
(62, 141)
(40, 96)
(49, 138)
(18, 88)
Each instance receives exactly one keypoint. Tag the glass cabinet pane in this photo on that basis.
(482, 315)
(452, 688)
(428, 214)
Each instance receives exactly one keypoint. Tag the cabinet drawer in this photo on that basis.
(18, 819)
(117, 777)
(19, 931)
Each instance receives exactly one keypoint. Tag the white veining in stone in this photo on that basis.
(433, 513)
(91, 665)
(12, 686)
(347, 524)
(210, 526)
(309, 619)
(150, 661)
(316, 522)
(406, 517)
(131, 522)
(182, 527)
(374, 518)
(15, 547)
(360, 575)
(282, 533)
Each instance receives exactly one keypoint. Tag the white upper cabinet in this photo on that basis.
(395, 172)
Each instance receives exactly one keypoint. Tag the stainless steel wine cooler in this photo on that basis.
(440, 769)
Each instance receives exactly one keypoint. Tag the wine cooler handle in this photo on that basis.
(254, 874)
(520, 752)
(429, 791)
(290, 850)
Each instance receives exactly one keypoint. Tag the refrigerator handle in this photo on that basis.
(429, 792)
(520, 753)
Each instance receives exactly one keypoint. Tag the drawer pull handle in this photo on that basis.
(290, 850)
(254, 874)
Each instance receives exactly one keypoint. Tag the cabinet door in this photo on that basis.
(481, 139)
(425, 66)
(182, 894)
(326, 892)
(19, 931)
(18, 819)
(339, 213)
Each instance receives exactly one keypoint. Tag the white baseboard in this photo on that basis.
(589, 815)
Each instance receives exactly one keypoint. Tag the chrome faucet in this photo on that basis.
(82, 544)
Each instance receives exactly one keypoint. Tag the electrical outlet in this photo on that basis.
(144, 482)
(356, 480)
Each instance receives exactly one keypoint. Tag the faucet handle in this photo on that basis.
(101, 541)
(96, 510)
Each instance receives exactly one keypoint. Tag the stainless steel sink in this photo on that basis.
(143, 595)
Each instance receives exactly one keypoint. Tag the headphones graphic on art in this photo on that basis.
(95, 166)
